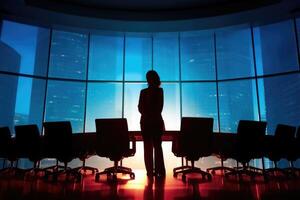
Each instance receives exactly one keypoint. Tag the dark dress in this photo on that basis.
(152, 125)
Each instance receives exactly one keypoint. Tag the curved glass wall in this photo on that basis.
(229, 74)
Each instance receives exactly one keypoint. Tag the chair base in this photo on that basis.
(250, 171)
(223, 169)
(186, 169)
(56, 172)
(113, 171)
(85, 168)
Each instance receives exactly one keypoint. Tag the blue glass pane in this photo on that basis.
(197, 55)
(275, 48)
(131, 100)
(8, 89)
(138, 57)
(24, 48)
(200, 100)
(166, 56)
(106, 57)
(234, 52)
(238, 101)
(22, 101)
(68, 56)
(104, 100)
(65, 102)
(279, 99)
(171, 110)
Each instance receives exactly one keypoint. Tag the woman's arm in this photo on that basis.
(140, 106)
(161, 100)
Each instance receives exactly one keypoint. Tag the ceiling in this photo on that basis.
(147, 15)
(149, 10)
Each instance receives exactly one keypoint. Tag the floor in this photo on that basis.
(142, 188)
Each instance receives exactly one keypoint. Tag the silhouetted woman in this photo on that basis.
(152, 125)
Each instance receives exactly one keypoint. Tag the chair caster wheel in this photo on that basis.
(97, 177)
(183, 178)
(132, 176)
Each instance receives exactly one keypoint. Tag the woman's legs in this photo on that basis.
(148, 154)
(159, 157)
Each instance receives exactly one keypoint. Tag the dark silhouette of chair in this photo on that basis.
(194, 141)
(223, 147)
(5, 148)
(278, 147)
(177, 149)
(248, 146)
(58, 145)
(294, 154)
(83, 148)
(28, 145)
(113, 142)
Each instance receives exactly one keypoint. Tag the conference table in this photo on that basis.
(86, 142)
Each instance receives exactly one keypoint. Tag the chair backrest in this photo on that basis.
(27, 138)
(251, 130)
(112, 137)
(58, 136)
(198, 133)
(285, 133)
(5, 138)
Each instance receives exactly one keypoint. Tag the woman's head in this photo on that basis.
(153, 78)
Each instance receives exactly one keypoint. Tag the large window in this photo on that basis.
(26, 48)
(229, 74)
(234, 52)
(68, 56)
(21, 101)
(166, 56)
(276, 48)
(279, 100)
(131, 100)
(106, 57)
(104, 100)
(197, 55)
(200, 100)
(238, 101)
(65, 102)
(138, 57)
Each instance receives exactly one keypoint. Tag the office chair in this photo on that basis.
(28, 145)
(177, 149)
(58, 145)
(223, 147)
(278, 147)
(83, 147)
(249, 145)
(294, 154)
(5, 148)
(113, 142)
(194, 141)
